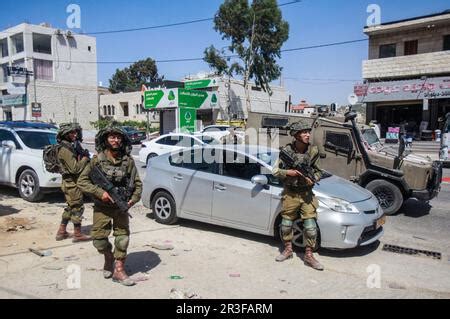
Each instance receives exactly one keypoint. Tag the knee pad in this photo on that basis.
(78, 213)
(102, 245)
(310, 228)
(286, 227)
(121, 242)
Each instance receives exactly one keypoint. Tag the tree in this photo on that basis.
(131, 79)
(257, 33)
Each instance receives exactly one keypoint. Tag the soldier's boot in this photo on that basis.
(310, 261)
(108, 267)
(287, 252)
(120, 275)
(62, 233)
(78, 235)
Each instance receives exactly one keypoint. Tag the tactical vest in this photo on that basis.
(118, 175)
(308, 158)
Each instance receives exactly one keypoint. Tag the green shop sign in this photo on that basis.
(179, 98)
(13, 100)
(187, 118)
(201, 84)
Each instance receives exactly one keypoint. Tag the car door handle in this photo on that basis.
(220, 188)
(178, 177)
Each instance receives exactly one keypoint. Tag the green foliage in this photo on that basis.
(140, 125)
(261, 25)
(131, 79)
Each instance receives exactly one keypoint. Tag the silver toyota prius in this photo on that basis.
(233, 186)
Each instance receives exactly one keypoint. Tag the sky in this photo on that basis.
(319, 76)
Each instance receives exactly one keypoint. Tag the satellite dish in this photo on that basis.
(352, 99)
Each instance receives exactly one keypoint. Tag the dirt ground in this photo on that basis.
(205, 262)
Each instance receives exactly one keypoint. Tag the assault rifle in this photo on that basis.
(81, 152)
(306, 170)
(120, 195)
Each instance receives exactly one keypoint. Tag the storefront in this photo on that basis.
(181, 109)
(12, 107)
(415, 104)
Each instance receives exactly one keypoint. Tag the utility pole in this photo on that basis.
(248, 66)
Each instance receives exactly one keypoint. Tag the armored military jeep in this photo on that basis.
(354, 152)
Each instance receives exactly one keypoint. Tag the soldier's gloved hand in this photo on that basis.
(293, 173)
(106, 198)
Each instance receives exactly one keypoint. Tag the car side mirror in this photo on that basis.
(260, 179)
(9, 144)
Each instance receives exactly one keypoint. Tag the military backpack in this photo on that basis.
(51, 161)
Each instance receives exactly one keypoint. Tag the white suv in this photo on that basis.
(21, 162)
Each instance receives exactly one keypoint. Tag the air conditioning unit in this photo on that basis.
(69, 34)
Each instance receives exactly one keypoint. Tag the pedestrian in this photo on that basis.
(117, 165)
(298, 196)
(72, 162)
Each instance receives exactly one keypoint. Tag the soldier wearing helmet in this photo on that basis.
(71, 166)
(114, 160)
(298, 196)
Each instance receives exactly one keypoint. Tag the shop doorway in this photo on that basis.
(409, 115)
(7, 115)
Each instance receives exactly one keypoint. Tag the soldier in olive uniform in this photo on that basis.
(298, 196)
(71, 165)
(115, 161)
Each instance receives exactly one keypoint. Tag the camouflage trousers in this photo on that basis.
(105, 220)
(74, 210)
(299, 204)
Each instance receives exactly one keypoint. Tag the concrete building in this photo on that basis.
(63, 86)
(125, 107)
(407, 75)
(230, 104)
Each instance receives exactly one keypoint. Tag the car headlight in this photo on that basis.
(338, 205)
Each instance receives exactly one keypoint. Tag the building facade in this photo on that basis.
(63, 83)
(230, 104)
(125, 107)
(407, 75)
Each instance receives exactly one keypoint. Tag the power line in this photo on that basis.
(149, 28)
(171, 24)
(155, 26)
(324, 45)
(227, 56)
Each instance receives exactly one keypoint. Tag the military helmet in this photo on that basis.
(66, 128)
(299, 126)
(100, 138)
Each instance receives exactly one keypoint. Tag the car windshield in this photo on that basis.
(370, 136)
(215, 128)
(37, 140)
(208, 140)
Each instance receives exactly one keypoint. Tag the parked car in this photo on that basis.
(135, 136)
(232, 186)
(172, 142)
(21, 162)
(220, 132)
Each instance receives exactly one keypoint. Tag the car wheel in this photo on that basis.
(151, 155)
(298, 239)
(164, 208)
(389, 196)
(28, 185)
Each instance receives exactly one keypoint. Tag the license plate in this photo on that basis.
(380, 222)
